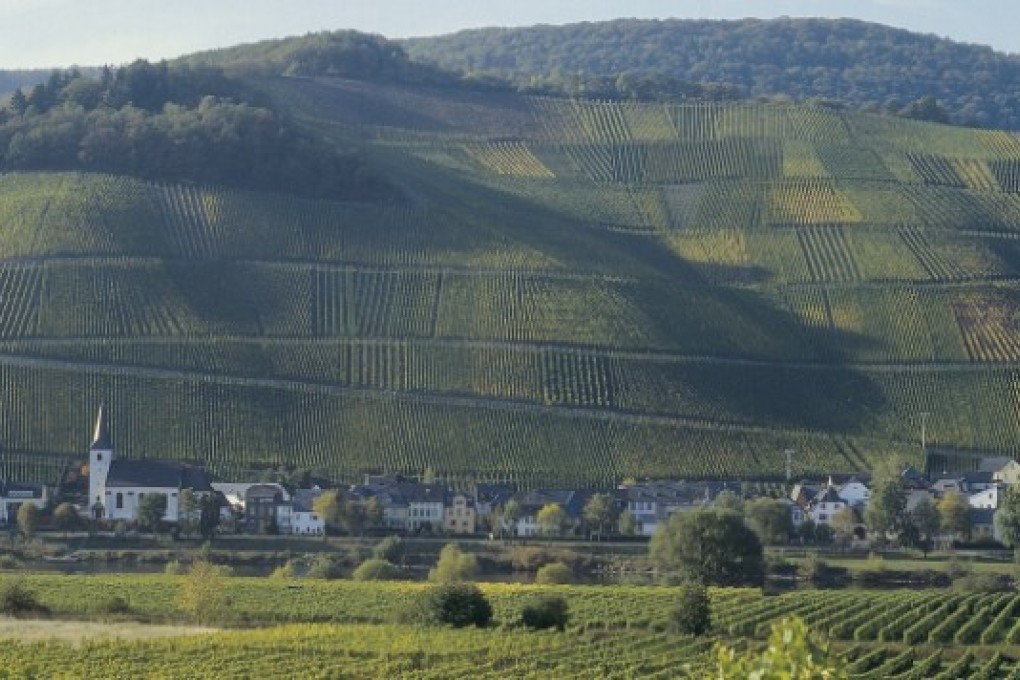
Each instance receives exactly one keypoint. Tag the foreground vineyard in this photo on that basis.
(571, 292)
(619, 631)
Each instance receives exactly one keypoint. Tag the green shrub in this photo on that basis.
(455, 604)
(325, 567)
(284, 571)
(554, 573)
(983, 583)
(453, 565)
(9, 562)
(692, 614)
(375, 569)
(547, 611)
(392, 549)
(16, 598)
(173, 568)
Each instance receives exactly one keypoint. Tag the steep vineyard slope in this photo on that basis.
(564, 292)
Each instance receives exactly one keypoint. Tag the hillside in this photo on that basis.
(861, 64)
(563, 291)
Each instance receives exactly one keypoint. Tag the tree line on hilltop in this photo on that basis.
(172, 122)
(863, 65)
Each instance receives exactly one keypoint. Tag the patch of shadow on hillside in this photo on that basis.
(685, 311)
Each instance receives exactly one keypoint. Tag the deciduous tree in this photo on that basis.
(713, 547)
(770, 519)
(1007, 519)
(886, 510)
(954, 514)
(150, 512)
(599, 513)
(65, 517)
(551, 519)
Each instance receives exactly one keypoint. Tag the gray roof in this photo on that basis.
(993, 464)
(21, 490)
(157, 474)
(979, 477)
(304, 499)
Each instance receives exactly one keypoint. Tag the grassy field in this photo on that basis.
(570, 292)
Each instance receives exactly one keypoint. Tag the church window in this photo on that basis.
(99, 456)
(120, 501)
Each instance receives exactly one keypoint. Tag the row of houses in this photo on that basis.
(982, 488)
(116, 487)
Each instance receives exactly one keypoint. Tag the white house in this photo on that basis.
(425, 506)
(824, 506)
(117, 486)
(303, 518)
(13, 496)
(987, 499)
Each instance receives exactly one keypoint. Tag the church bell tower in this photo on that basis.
(100, 457)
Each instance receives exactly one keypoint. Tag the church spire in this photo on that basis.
(101, 438)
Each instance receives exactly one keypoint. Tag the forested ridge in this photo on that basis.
(171, 122)
(864, 65)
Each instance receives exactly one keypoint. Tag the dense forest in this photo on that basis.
(864, 65)
(159, 121)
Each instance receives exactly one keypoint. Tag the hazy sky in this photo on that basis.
(44, 33)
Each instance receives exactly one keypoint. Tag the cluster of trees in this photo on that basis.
(864, 65)
(177, 123)
(337, 54)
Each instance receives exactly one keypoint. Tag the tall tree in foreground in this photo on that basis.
(711, 547)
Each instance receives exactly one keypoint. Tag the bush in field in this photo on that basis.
(692, 614)
(325, 567)
(284, 571)
(203, 593)
(16, 599)
(547, 611)
(554, 573)
(455, 604)
(375, 569)
(173, 568)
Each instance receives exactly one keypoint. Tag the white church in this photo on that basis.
(116, 485)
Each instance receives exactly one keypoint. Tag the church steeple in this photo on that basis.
(100, 457)
(101, 437)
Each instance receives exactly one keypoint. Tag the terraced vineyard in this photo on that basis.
(569, 292)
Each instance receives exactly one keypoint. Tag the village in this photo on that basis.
(948, 510)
